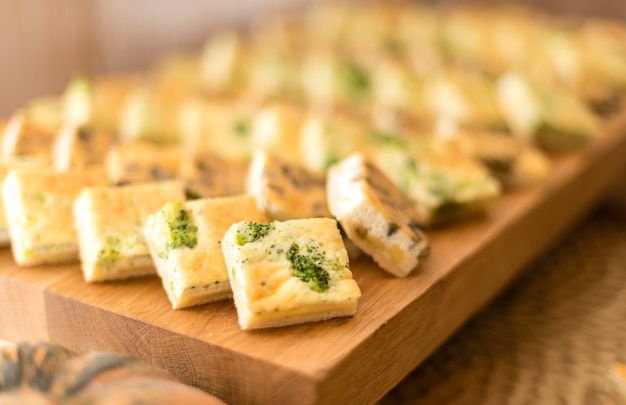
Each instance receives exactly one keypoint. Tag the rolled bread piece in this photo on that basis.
(376, 215)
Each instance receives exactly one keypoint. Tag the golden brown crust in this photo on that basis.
(286, 191)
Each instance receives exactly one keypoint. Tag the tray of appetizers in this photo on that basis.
(303, 213)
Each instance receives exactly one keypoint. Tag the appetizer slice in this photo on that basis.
(185, 243)
(376, 215)
(220, 125)
(397, 87)
(77, 146)
(76, 101)
(5, 167)
(45, 113)
(138, 161)
(330, 78)
(211, 175)
(326, 138)
(150, 113)
(274, 67)
(374, 28)
(23, 136)
(96, 101)
(284, 273)
(466, 37)
(38, 205)
(465, 99)
(110, 223)
(548, 116)
(327, 22)
(285, 191)
(276, 128)
(179, 71)
(510, 160)
(445, 184)
(590, 70)
(225, 62)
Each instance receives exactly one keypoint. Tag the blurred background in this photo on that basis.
(44, 43)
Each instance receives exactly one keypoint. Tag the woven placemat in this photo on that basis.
(549, 339)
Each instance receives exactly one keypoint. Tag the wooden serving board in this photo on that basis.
(350, 360)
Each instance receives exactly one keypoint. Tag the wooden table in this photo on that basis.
(351, 360)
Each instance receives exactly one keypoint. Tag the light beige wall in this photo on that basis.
(131, 33)
(43, 43)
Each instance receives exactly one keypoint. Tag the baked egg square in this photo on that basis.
(38, 208)
(110, 222)
(185, 244)
(291, 272)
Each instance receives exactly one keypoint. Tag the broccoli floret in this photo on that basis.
(241, 128)
(110, 253)
(308, 267)
(182, 230)
(252, 232)
(355, 79)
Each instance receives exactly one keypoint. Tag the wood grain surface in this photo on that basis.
(351, 360)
